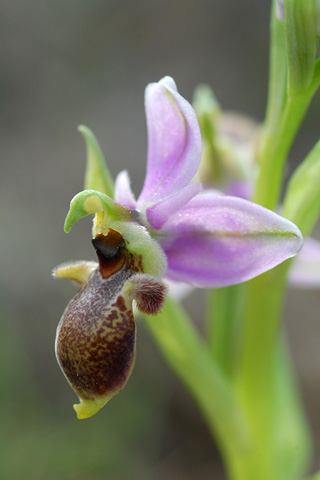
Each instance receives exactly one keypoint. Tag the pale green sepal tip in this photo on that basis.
(97, 176)
(87, 202)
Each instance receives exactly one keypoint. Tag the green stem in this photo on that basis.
(278, 69)
(256, 378)
(292, 435)
(266, 389)
(191, 360)
(314, 477)
(286, 109)
(275, 144)
(256, 369)
(284, 455)
(223, 319)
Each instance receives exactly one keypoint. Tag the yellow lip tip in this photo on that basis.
(88, 408)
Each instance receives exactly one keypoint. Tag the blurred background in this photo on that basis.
(88, 62)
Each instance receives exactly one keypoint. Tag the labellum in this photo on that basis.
(96, 336)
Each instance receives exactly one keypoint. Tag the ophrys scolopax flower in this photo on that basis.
(173, 229)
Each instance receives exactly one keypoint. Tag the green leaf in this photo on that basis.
(97, 176)
(302, 199)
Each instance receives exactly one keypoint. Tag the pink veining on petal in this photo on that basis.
(174, 148)
(220, 241)
(122, 191)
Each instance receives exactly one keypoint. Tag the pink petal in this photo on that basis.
(159, 213)
(122, 191)
(305, 271)
(215, 241)
(174, 149)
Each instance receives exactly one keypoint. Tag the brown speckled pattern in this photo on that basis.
(95, 344)
(134, 262)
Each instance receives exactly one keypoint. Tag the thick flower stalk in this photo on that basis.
(172, 230)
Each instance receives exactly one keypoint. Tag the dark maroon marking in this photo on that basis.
(120, 304)
(134, 263)
(111, 252)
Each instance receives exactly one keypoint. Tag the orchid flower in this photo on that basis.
(232, 150)
(173, 230)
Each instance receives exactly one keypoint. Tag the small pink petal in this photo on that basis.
(122, 191)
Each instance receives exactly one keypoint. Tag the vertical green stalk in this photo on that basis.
(275, 144)
(225, 306)
(255, 379)
(257, 376)
(286, 108)
(191, 360)
(314, 477)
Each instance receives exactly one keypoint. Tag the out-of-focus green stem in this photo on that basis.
(276, 140)
(256, 368)
(257, 376)
(191, 360)
(285, 111)
(278, 69)
(223, 317)
(292, 435)
(275, 144)
(314, 477)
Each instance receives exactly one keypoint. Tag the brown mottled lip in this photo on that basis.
(111, 252)
(95, 343)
